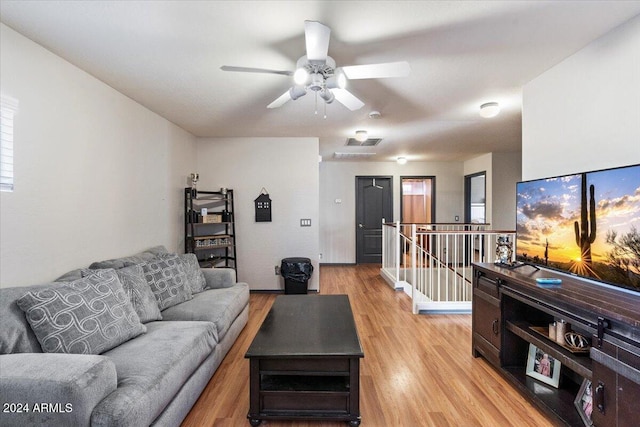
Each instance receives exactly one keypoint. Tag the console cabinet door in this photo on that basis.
(604, 396)
(486, 320)
(486, 313)
(616, 387)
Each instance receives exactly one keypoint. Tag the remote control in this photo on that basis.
(548, 281)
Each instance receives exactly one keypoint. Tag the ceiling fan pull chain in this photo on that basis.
(325, 110)
(316, 102)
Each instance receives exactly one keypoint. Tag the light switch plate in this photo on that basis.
(305, 222)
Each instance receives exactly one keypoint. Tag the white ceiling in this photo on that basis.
(166, 55)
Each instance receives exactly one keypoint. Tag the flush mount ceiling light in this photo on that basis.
(489, 109)
(402, 160)
(361, 135)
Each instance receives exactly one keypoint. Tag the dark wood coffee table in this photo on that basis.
(305, 361)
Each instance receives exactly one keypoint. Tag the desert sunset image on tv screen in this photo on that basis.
(587, 224)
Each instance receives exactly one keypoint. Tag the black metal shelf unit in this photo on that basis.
(212, 236)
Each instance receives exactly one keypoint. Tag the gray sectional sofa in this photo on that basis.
(114, 355)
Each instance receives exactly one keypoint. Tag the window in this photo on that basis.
(8, 108)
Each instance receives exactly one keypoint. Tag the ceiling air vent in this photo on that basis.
(370, 142)
(352, 156)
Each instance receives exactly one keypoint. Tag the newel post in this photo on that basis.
(398, 251)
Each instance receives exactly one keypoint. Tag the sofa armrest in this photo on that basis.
(52, 388)
(219, 277)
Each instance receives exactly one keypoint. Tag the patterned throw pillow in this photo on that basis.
(195, 277)
(137, 289)
(167, 280)
(88, 316)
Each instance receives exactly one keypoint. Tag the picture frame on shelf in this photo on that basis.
(543, 367)
(584, 402)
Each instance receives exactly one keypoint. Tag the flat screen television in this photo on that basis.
(586, 224)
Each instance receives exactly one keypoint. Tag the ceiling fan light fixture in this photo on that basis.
(338, 80)
(361, 135)
(327, 95)
(401, 160)
(297, 91)
(489, 109)
(300, 76)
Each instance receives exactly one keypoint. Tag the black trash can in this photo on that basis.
(296, 273)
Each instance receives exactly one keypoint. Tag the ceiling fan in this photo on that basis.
(317, 71)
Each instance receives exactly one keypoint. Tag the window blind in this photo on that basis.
(8, 108)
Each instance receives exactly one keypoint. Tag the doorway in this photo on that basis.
(475, 198)
(417, 199)
(475, 211)
(374, 202)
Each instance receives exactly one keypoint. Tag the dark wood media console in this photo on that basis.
(508, 304)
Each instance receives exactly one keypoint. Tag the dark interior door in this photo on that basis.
(475, 212)
(374, 201)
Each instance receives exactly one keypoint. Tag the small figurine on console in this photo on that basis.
(504, 252)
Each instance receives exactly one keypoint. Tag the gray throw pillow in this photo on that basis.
(119, 263)
(70, 276)
(138, 291)
(157, 250)
(167, 280)
(195, 277)
(88, 316)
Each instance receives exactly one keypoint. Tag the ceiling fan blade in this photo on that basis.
(317, 39)
(347, 99)
(377, 71)
(282, 99)
(255, 70)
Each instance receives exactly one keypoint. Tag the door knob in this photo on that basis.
(360, 226)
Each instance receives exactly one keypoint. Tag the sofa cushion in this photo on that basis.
(220, 306)
(138, 291)
(165, 357)
(77, 382)
(87, 316)
(167, 280)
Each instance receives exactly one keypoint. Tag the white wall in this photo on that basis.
(288, 169)
(96, 174)
(338, 181)
(584, 113)
(506, 172)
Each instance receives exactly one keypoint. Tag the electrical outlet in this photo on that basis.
(277, 269)
(457, 218)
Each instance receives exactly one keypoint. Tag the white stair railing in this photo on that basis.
(432, 262)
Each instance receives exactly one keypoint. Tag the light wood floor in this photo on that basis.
(417, 370)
